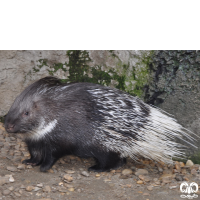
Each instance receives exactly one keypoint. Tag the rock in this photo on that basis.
(141, 172)
(157, 182)
(170, 176)
(6, 192)
(160, 169)
(186, 178)
(166, 180)
(29, 188)
(149, 188)
(70, 171)
(179, 178)
(12, 168)
(40, 185)
(189, 163)
(11, 188)
(144, 178)
(127, 172)
(193, 171)
(182, 164)
(36, 189)
(17, 194)
(98, 175)
(167, 171)
(183, 171)
(68, 177)
(71, 189)
(140, 182)
(3, 180)
(22, 187)
(11, 179)
(47, 188)
(146, 194)
(173, 186)
(50, 171)
(29, 167)
(123, 177)
(21, 166)
(84, 173)
(177, 166)
(68, 185)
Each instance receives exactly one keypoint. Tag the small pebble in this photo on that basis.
(40, 185)
(11, 179)
(71, 189)
(21, 166)
(193, 171)
(6, 192)
(29, 167)
(127, 172)
(123, 177)
(70, 171)
(182, 164)
(149, 188)
(29, 188)
(189, 163)
(179, 178)
(12, 168)
(67, 177)
(140, 182)
(17, 194)
(36, 189)
(98, 175)
(84, 173)
(47, 188)
(173, 186)
(11, 188)
(141, 172)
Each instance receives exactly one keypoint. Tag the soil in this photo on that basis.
(70, 179)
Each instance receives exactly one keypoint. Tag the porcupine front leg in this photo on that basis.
(48, 161)
(36, 158)
(35, 152)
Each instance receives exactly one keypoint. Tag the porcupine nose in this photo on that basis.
(10, 127)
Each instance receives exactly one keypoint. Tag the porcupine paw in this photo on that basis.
(44, 168)
(29, 162)
(97, 168)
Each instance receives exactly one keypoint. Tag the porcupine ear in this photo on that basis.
(35, 105)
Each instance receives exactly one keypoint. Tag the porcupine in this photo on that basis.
(91, 120)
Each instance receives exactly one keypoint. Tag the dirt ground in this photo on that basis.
(69, 178)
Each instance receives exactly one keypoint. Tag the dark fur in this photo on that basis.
(78, 118)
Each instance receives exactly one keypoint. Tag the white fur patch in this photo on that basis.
(43, 130)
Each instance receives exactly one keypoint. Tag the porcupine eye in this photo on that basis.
(26, 113)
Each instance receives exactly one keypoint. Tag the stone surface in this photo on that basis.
(141, 172)
(24, 67)
(12, 168)
(127, 172)
(84, 173)
(189, 163)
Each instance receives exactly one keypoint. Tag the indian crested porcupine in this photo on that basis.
(90, 120)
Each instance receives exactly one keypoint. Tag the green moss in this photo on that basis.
(80, 70)
(195, 158)
(113, 54)
(2, 119)
(43, 62)
(56, 67)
